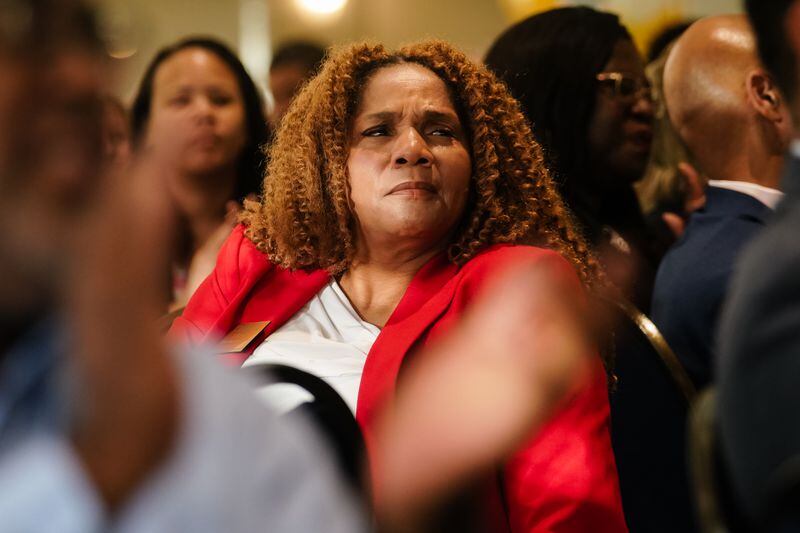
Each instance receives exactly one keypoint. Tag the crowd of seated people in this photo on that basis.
(393, 298)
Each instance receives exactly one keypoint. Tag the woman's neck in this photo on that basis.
(202, 201)
(375, 283)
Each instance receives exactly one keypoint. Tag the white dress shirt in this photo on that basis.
(326, 338)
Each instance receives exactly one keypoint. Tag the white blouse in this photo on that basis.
(326, 338)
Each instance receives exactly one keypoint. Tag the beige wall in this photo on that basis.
(148, 25)
(470, 24)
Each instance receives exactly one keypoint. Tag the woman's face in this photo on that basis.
(409, 166)
(197, 97)
(621, 129)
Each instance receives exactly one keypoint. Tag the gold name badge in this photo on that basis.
(240, 336)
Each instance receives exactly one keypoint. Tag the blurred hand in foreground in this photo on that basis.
(127, 405)
(481, 392)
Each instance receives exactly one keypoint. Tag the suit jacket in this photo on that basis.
(693, 277)
(648, 413)
(758, 370)
(563, 479)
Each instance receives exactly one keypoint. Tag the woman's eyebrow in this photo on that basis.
(428, 114)
(446, 116)
(380, 116)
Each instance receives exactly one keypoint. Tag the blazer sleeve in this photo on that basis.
(564, 479)
(215, 294)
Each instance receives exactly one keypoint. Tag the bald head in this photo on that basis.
(704, 77)
(715, 88)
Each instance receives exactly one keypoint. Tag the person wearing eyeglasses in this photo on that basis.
(582, 86)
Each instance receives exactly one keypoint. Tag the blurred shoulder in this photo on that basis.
(500, 259)
(504, 256)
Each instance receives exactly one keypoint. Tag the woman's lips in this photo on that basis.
(413, 187)
(206, 140)
(642, 139)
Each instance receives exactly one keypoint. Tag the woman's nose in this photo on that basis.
(411, 149)
(644, 106)
(202, 109)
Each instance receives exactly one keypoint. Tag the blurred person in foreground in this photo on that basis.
(198, 93)
(758, 364)
(293, 64)
(399, 184)
(100, 426)
(734, 121)
(581, 83)
(103, 428)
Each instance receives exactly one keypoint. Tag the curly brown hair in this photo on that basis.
(304, 219)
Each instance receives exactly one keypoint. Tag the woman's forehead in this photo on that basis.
(193, 64)
(402, 84)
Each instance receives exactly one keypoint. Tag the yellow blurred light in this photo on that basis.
(517, 10)
(322, 7)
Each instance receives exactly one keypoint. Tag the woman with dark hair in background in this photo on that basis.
(581, 83)
(198, 90)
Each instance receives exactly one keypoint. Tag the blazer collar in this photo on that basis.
(722, 202)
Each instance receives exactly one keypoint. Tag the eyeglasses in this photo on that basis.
(625, 86)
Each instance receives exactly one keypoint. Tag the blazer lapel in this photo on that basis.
(269, 294)
(426, 299)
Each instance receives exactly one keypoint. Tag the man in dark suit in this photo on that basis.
(729, 113)
(759, 363)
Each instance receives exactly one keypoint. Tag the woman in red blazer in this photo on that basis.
(409, 179)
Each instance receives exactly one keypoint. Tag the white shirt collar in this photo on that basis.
(794, 148)
(766, 195)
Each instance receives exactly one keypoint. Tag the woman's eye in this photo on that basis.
(376, 131)
(220, 99)
(179, 100)
(442, 132)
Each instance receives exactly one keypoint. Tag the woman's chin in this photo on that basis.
(424, 231)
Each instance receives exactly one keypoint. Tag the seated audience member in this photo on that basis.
(398, 184)
(664, 38)
(198, 92)
(758, 364)
(101, 430)
(581, 84)
(732, 118)
(671, 188)
(292, 65)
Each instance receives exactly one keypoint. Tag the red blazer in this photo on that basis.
(563, 480)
